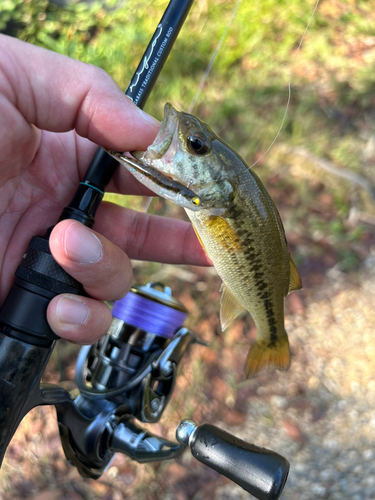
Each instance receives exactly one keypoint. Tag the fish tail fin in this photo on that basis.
(265, 354)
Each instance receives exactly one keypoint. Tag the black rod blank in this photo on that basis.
(103, 166)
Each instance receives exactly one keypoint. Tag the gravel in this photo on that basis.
(321, 414)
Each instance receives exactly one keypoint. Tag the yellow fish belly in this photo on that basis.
(236, 222)
(254, 265)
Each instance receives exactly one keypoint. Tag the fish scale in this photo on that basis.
(238, 225)
(250, 265)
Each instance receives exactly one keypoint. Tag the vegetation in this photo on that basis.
(245, 95)
(329, 220)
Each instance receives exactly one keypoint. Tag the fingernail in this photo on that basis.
(81, 245)
(72, 311)
(149, 118)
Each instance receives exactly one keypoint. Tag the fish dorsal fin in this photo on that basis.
(295, 282)
(230, 307)
(224, 234)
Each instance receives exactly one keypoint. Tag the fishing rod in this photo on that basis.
(129, 373)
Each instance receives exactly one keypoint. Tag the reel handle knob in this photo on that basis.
(261, 472)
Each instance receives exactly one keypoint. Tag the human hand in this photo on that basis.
(53, 112)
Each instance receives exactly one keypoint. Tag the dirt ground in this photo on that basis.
(320, 414)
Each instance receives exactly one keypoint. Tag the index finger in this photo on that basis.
(59, 94)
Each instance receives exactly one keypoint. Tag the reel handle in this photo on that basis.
(261, 472)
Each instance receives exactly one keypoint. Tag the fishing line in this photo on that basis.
(289, 86)
(211, 63)
(148, 201)
(213, 58)
(146, 204)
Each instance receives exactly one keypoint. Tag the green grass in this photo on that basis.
(246, 93)
(331, 116)
(244, 98)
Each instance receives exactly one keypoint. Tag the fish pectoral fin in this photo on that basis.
(295, 282)
(199, 239)
(264, 354)
(217, 212)
(230, 307)
(224, 234)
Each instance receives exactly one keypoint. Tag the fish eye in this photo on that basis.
(198, 144)
(196, 201)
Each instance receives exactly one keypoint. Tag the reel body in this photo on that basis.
(130, 375)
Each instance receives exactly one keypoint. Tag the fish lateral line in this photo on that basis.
(238, 226)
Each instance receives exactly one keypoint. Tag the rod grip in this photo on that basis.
(39, 278)
(261, 472)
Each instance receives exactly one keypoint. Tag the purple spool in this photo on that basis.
(151, 310)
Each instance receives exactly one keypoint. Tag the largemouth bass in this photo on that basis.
(236, 222)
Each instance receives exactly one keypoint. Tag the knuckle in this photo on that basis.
(139, 230)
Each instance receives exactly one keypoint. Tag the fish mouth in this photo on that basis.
(161, 152)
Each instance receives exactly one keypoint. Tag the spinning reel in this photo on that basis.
(130, 373)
